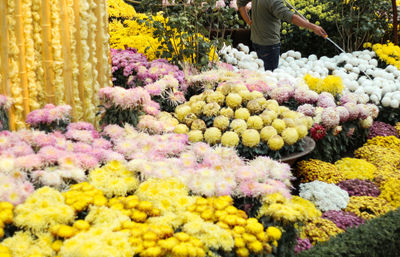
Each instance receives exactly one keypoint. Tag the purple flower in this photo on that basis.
(379, 128)
(302, 245)
(343, 219)
(357, 187)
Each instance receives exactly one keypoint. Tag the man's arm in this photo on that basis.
(299, 21)
(245, 15)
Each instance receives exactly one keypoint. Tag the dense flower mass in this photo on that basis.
(357, 187)
(379, 128)
(330, 84)
(50, 114)
(343, 220)
(368, 207)
(353, 168)
(320, 230)
(318, 170)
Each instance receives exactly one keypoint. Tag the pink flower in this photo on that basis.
(85, 136)
(113, 131)
(29, 162)
(343, 113)
(330, 118)
(50, 154)
(87, 161)
(43, 140)
(307, 109)
(153, 108)
(353, 110)
(220, 4)
(101, 143)
(223, 188)
(245, 174)
(233, 4)
(21, 149)
(82, 147)
(81, 125)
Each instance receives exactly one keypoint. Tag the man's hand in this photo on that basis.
(319, 31)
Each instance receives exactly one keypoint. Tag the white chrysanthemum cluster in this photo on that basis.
(325, 196)
(241, 57)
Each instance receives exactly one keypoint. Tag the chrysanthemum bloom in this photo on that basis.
(250, 137)
(195, 136)
(227, 112)
(230, 139)
(276, 142)
(212, 135)
(318, 132)
(221, 122)
(238, 125)
(242, 113)
(255, 122)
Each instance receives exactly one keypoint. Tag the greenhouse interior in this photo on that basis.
(194, 128)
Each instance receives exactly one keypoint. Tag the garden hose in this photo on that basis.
(325, 37)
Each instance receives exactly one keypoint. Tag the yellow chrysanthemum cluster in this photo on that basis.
(131, 206)
(353, 168)
(240, 115)
(331, 84)
(168, 195)
(249, 235)
(378, 155)
(44, 208)
(181, 244)
(24, 244)
(97, 241)
(390, 142)
(318, 170)
(286, 210)
(120, 9)
(389, 53)
(319, 230)
(6, 215)
(65, 231)
(114, 179)
(368, 207)
(81, 195)
(390, 191)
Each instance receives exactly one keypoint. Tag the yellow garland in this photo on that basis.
(30, 54)
(57, 52)
(16, 91)
(37, 39)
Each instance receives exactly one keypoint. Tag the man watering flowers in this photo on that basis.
(265, 24)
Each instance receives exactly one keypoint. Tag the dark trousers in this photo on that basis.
(269, 54)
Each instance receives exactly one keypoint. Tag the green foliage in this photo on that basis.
(361, 21)
(349, 23)
(3, 120)
(118, 116)
(320, 12)
(389, 115)
(185, 29)
(377, 237)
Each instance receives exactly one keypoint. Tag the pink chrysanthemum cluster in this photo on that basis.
(137, 71)
(53, 158)
(133, 98)
(49, 114)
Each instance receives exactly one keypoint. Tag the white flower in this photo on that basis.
(325, 196)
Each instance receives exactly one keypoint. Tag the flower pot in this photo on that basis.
(308, 148)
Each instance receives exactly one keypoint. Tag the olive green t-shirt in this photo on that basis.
(266, 16)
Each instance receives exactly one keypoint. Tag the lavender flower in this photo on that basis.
(302, 245)
(379, 128)
(357, 187)
(326, 100)
(307, 109)
(343, 219)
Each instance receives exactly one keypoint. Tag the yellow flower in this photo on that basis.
(181, 111)
(318, 170)
(290, 136)
(211, 109)
(275, 143)
(255, 122)
(254, 106)
(250, 137)
(268, 132)
(352, 168)
(279, 125)
(239, 125)
(274, 233)
(195, 136)
(302, 130)
(198, 125)
(230, 139)
(181, 129)
(217, 97)
(233, 100)
(212, 135)
(221, 122)
(227, 112)
(242, 113)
